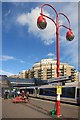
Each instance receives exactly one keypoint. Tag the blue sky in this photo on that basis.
(23, 43)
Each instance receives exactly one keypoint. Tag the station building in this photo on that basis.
(8, 84)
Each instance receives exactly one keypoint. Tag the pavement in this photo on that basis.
(36, 108)
(0, 108)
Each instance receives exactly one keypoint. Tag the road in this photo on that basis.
(36, 108)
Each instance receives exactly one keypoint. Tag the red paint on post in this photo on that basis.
(58, 108)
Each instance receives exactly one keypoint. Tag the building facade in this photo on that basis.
(76, 76)
(46, 69)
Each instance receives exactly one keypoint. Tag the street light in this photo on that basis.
(41, 23)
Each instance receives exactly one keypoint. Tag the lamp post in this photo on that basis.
(41, 23)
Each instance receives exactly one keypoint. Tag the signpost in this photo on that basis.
(59, 89)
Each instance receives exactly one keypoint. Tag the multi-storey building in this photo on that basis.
(24, 74)
(76, 76)
(13, 76)
(46, 69)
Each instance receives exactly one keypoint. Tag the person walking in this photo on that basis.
(23, 93)
(27, 95)
(18, 93)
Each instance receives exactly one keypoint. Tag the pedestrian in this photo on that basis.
(27, 95)
(4, 95)
(23, 93)
(18, 93)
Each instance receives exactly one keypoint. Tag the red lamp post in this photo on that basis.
(41, 23)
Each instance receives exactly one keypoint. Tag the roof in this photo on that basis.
(17, 79)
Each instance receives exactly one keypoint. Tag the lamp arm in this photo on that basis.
(48, 17)
(49, 6)
(66, 18)
(65, 27)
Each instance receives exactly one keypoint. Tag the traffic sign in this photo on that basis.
(59, 89)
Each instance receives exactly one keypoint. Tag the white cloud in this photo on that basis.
(22, 19)
(71, 10)
(6, 57)
(51, 55)
(70, 49)
(47, 35)
(2, 72)
(30, 19)
(21, 61)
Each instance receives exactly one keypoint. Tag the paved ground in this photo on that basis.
(36, 109)
(0, 108)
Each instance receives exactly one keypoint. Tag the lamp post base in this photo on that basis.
(58, 106)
